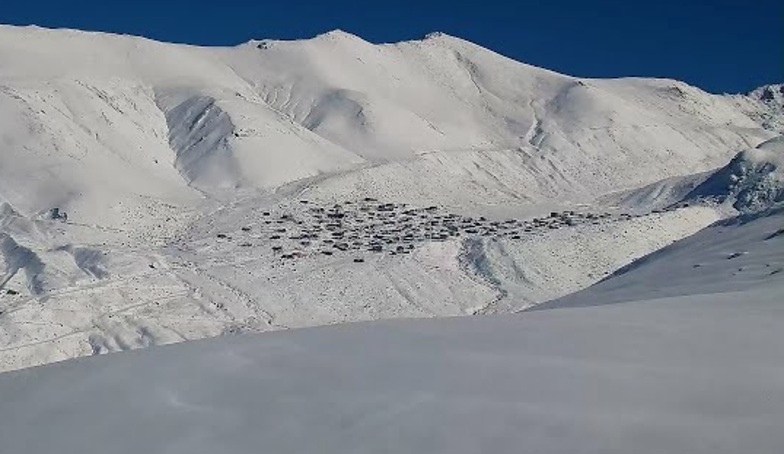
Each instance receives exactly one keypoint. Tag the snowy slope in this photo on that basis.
(153, 150)
(539, 268)
(733, 255)
(696, 374)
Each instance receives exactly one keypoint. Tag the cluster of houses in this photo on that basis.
(374, 227)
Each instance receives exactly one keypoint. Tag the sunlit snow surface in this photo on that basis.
(699, 374)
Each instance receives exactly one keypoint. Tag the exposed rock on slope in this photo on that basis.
(752, 181)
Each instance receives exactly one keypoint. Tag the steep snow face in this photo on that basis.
(98, 153)
(765, 105)
(198, 133)
(237, 142)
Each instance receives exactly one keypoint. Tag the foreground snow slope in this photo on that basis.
(696, 374)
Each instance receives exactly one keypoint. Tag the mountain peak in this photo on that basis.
(333, 36)
(771, 94)
(337, 35)
(441, 37)
(436, 35)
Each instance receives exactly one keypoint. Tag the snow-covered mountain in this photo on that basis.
(122, 118)
(200, 183)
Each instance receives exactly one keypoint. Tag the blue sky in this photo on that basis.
(719, 45)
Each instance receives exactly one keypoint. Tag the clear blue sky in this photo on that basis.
(719, 45)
